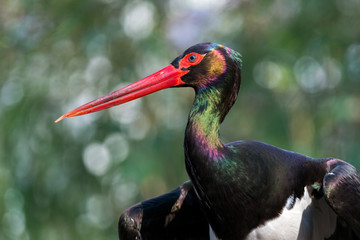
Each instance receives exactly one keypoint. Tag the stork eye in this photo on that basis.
(192, 58)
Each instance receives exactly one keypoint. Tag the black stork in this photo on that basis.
(239, 190)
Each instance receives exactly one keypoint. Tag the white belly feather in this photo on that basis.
(309, 219)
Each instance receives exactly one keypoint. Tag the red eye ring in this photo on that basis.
(191, 59)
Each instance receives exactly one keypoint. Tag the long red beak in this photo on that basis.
(165, 78)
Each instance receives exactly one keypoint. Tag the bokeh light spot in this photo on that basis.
(99, 212)
(11, 93)
(14, 223)
(98, 68)
(139, 128)
(138, 19)
(310, 74)
(267, 74)
(124, 193)
(118, 147)
(96, 158)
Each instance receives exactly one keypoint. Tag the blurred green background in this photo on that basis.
(72, 180)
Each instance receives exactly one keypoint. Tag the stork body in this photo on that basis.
(238, 187)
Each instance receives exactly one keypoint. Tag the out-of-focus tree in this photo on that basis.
(301, 81)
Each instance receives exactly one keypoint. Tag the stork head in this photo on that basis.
(202, 66)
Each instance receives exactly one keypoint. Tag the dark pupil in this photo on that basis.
(192, 58)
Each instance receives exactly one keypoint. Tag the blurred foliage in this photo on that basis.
(72, 180)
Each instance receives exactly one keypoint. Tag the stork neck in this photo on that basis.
(202, 131)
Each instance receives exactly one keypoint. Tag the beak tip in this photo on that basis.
(60, 118)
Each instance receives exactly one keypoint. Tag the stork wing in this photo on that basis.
(174, 215)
